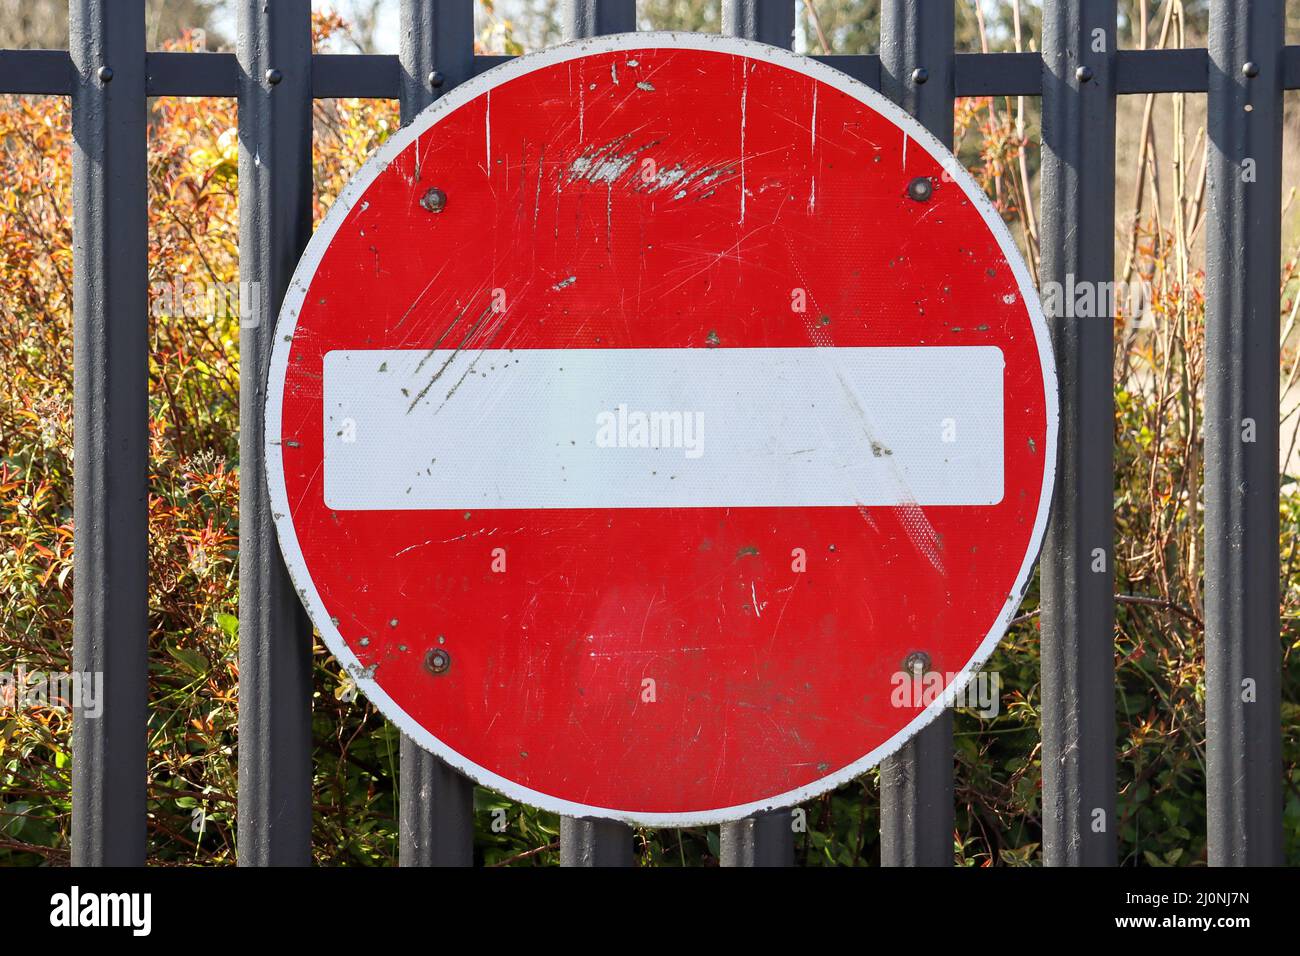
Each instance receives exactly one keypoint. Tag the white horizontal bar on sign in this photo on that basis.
(662, 428)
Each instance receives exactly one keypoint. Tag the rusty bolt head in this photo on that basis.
(435, 200)
(916, 663)
(274, 76)
(1083, 74)
(920, 189)
(920, 75)
(437, 661)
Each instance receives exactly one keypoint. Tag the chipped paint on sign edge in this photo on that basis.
(379, 161)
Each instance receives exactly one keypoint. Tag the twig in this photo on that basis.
(817, 25)
(553, 845)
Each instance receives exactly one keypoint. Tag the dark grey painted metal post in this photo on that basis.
(275, 190)
(437, 50)
(918, 36)
(758, 20)
(111, 414)
(917, 813)
(596, 842)
(1077, 569)
(592, 842)
(437, 803)
(1243, 651)
(765, 839)
(589, 18)
(437, 811)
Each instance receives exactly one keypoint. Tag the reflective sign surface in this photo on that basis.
(647, 413)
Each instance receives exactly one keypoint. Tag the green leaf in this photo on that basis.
(13, 820)
(190, 659)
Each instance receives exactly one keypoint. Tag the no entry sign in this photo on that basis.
(643, 411)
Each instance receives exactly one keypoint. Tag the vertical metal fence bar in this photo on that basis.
(917, 814)
(765, 839)
(436, 826)
(275, 193)
(1076, 573)
(111, 414)
(1243, 242)
(593, 842)
(436, 51)
(765, 22)
(437, 811)
(589, 18)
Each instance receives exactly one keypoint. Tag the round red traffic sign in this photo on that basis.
(641, 415)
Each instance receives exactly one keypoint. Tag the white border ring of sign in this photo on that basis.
(390, 150)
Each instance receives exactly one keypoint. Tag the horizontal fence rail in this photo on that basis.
(108, 75)
(379, 76)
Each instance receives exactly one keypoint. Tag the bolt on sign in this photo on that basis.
(644, 410)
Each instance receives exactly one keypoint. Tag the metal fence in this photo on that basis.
(109, 75)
